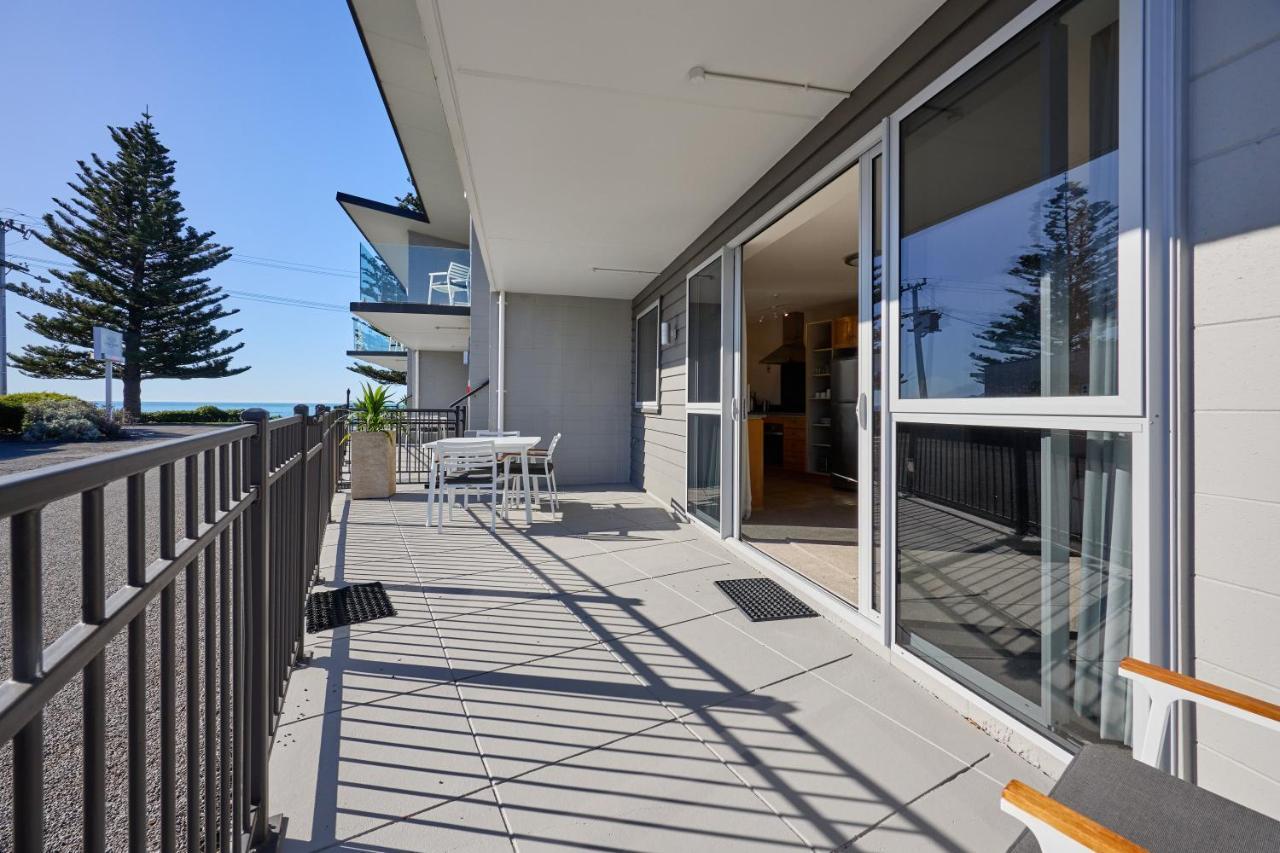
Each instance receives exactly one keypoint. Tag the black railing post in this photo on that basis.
(26, 602)
(322, 512)
(306, 533)
(261, 699)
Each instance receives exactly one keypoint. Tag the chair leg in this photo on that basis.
(493, 508)
(555, 491)
(444, 496)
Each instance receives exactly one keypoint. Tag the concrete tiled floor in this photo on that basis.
(582, 684)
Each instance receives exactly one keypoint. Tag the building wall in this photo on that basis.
(478, 369)
(441, 378)
(658, 438)
(567, 368)
(1233, 212)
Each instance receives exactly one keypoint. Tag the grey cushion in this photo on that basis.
(1153, 809)
(470, 478)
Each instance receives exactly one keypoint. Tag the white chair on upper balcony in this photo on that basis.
(490, 433)
(451, 284)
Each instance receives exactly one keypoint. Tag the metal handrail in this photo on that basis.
(257, 498)
(467, 396)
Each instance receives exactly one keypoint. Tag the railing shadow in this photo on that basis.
(496, 640)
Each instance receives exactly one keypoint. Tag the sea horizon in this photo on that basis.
(281, 410)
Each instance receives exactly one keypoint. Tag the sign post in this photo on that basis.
(108, 346)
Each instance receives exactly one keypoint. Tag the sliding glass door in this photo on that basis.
(1017, 349)
(704, 409)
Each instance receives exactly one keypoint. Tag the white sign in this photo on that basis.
(108, 344)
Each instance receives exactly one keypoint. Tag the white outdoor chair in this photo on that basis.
(491, 433)
(541, 465)
(467, 468)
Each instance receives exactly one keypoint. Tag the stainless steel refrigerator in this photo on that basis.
(844, 422)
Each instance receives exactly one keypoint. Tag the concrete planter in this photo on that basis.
(373, 465)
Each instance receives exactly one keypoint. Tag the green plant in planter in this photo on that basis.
(373, 410)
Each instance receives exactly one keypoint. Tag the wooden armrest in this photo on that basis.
(1147, 672)
(1164, 687)
(1050, 821)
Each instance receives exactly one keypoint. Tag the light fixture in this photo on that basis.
(698, 74)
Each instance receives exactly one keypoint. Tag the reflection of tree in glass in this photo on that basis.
(1078, 258)
(377, 282)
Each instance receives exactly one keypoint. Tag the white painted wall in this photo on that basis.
(1233, 185)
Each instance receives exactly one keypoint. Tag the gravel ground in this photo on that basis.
(63, 724)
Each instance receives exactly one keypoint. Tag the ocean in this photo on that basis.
(275, 410)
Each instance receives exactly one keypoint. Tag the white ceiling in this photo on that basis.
(798, 261)
(580, 139)
(393, 33)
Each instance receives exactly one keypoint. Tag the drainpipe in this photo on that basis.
(500, 393)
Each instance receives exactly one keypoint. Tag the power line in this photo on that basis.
(287, 301)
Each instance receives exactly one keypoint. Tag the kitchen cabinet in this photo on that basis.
(844, 332)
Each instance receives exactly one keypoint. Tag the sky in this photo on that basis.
(268, 109)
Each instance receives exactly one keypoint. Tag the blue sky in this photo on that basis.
(268, 108)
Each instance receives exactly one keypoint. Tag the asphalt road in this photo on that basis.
(63, 722)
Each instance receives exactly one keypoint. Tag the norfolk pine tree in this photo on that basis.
(139, 268)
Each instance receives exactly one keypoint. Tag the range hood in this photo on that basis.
(792, 349)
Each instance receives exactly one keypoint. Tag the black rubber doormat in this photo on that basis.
(763, 599)
(361, 602)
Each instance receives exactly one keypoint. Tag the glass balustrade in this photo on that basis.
(366, 338)
(423, 275)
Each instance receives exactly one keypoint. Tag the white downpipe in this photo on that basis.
(500, 394)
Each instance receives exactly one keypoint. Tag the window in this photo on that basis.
(1016, 337)
(646, 357)
(1015, 567)
(702, 403)
(704, 334)
(1009, 218)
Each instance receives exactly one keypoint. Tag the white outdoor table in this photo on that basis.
(521, 444)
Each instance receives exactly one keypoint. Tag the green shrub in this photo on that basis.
(198, 415)
(67, 419)
(13, 408)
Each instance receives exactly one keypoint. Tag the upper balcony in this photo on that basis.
(434, 275)
(368, 344)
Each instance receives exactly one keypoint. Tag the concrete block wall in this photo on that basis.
(568, 368)
(1233, 188)
(440, 377)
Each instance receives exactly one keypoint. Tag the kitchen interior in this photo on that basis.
(800, 304)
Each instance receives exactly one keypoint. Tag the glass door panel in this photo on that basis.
(704, 448)
(870, 411)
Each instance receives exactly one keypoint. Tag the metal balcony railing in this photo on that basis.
(414, 429)
(255, 500)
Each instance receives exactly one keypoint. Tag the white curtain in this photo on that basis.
(1106, 562)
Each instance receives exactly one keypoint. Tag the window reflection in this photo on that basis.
(1010, 196)
(1015, 571)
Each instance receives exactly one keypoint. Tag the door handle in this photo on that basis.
(862, 410)
(733, 409)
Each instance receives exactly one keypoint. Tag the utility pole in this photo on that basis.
(918, 332)
(7, 225)
(4, 316)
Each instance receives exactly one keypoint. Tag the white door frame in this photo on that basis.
(859, 154)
